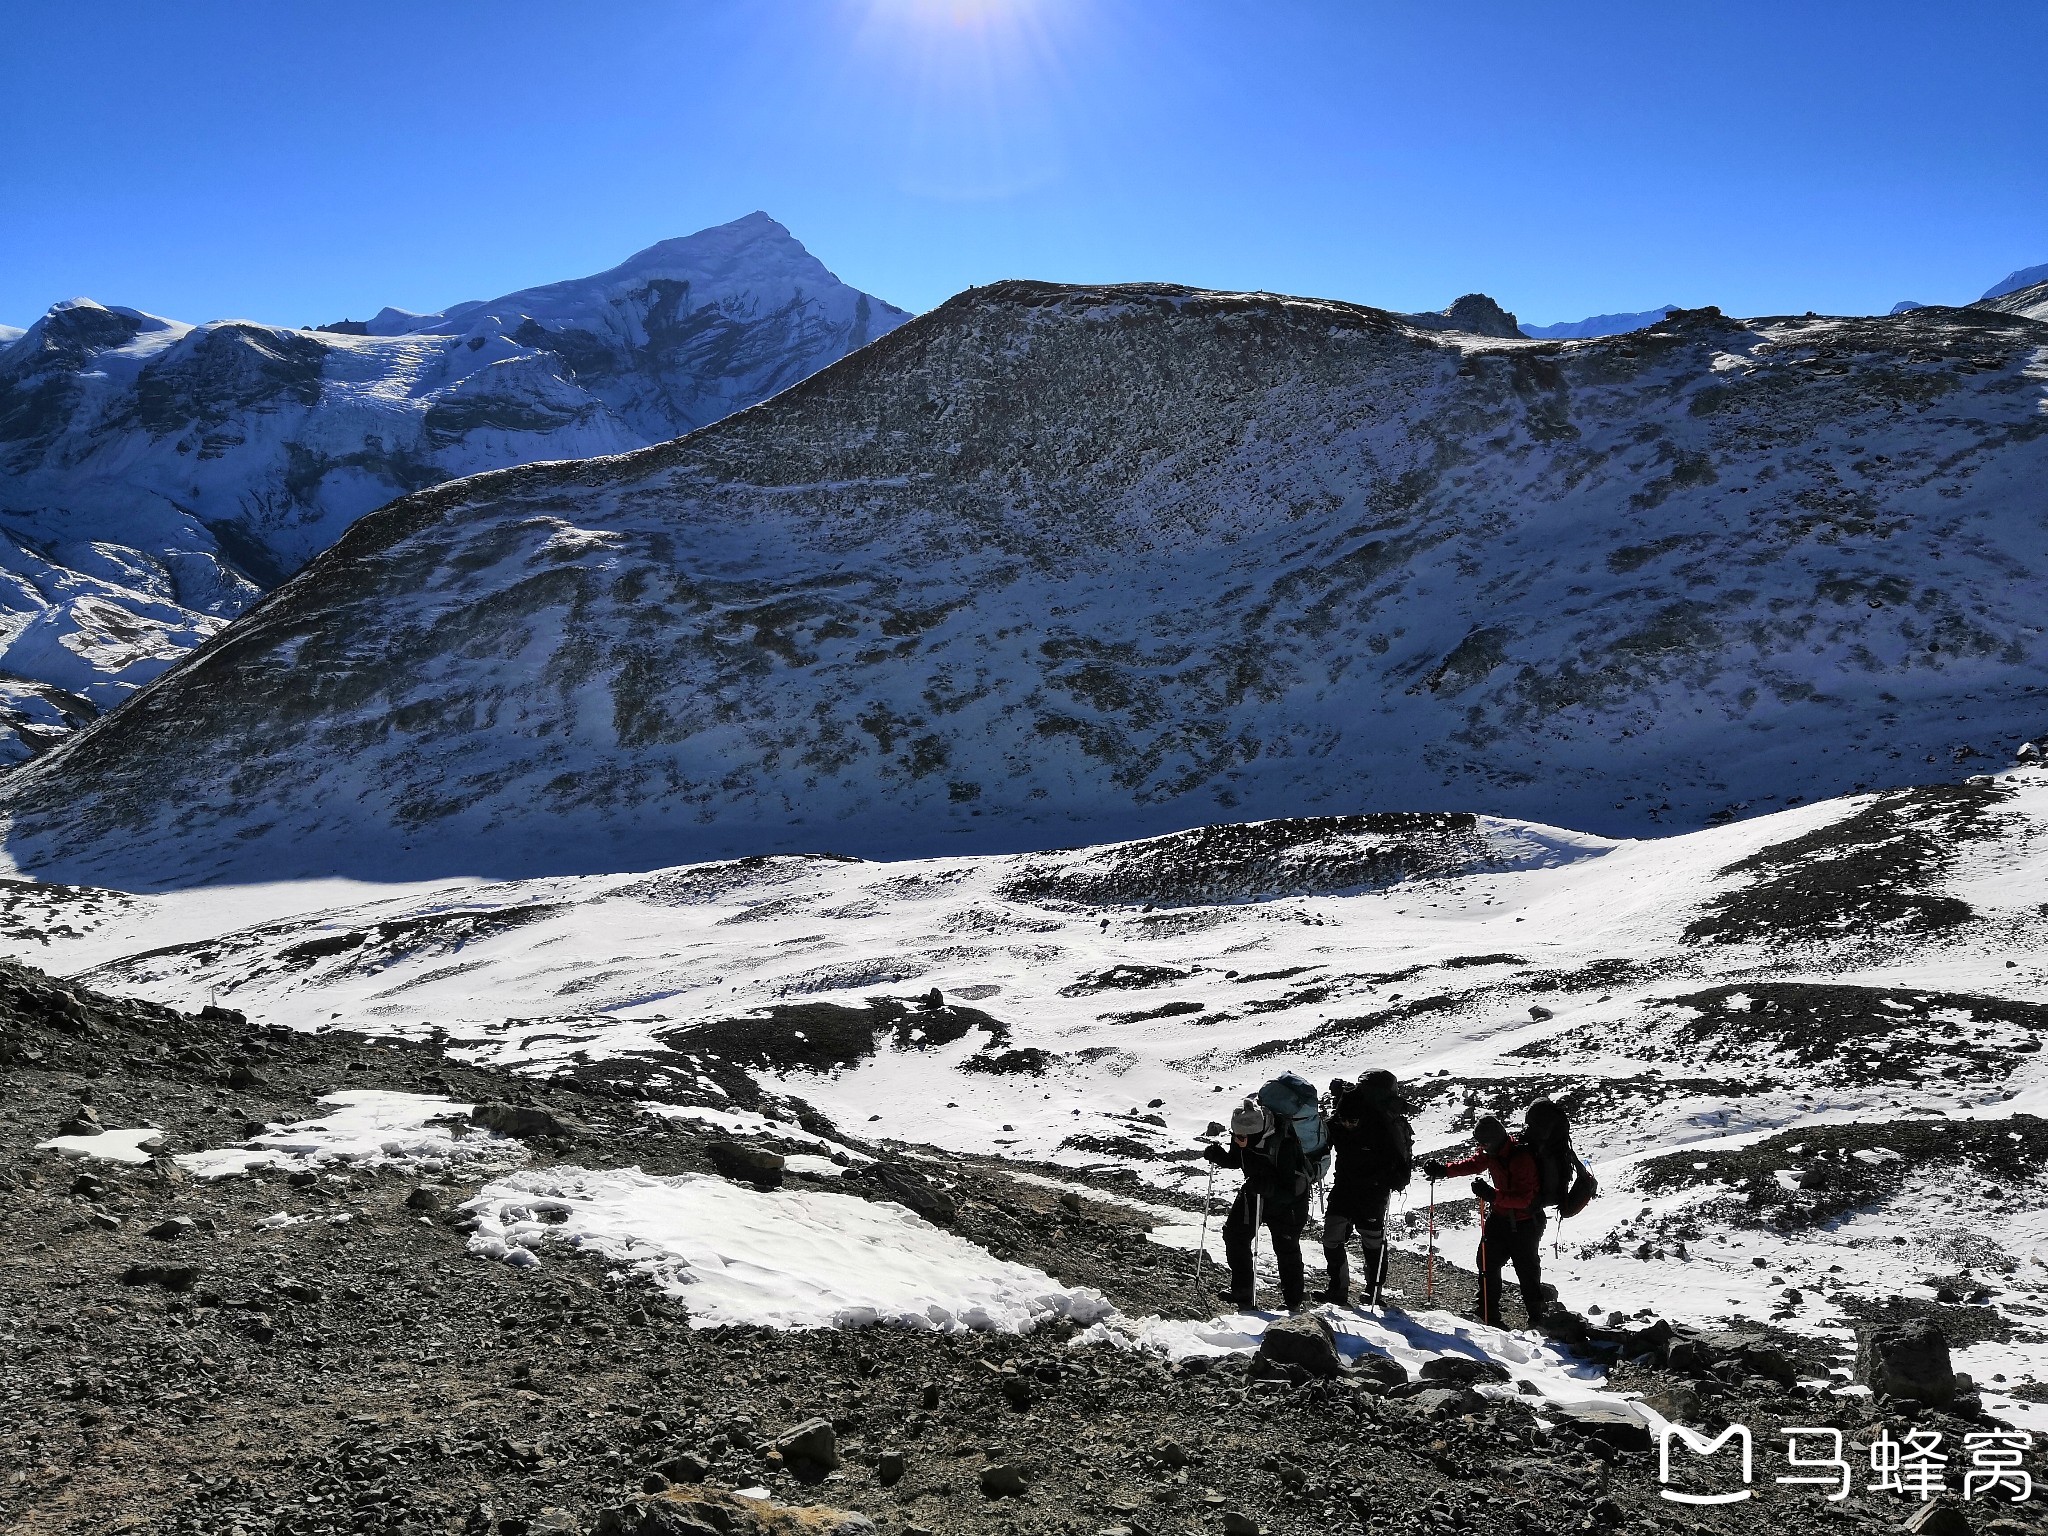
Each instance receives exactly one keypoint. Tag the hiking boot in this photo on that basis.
(1242, 1303)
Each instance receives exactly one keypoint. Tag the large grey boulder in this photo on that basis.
(524, 1121)
(1906, 1360)
(1306, 1341)
(747, 1165)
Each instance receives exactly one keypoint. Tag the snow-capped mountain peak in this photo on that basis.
(155, 476)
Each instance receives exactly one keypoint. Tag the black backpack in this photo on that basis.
(1562, 1180)
(1376, 1104)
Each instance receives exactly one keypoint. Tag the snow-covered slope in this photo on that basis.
(155, 475)
(1599, 325)
(1853, 988)
(2030, 302)
(1055, 564)
(2013, 282)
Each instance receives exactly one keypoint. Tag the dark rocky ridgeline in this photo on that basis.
(166, 1367)
(1052, 560)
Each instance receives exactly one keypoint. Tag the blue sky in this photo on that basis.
(302, 161)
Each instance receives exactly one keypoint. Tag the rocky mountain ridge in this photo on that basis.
(1054, 563)
(155, 477)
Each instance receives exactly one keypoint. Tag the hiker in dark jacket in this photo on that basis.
(1513, 1229)
(1275, 1196)
(1375, 1148)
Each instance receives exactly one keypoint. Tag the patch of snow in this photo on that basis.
(133, 1145)
(788, 1258)
(367, 1128)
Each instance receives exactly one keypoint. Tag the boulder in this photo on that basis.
(683, 1468)
(172, 1277)
(747, 1165)
(909, 1188)
(1382, 1369)
(813, 1443)
(1306, 1342)
(524, 1121)
(1448, 1402)
(1772, 1363)
(1003, 1480)
(1940, 1518)
(1906, 1360)
(1679, 1404)
(1462, 1370)
(699, 1511)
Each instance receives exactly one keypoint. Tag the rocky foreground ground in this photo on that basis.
(168, 1365)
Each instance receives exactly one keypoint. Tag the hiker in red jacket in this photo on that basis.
(1513, 1231)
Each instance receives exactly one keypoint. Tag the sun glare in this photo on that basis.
(975, 89)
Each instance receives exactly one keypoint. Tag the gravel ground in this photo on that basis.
(359, 1371)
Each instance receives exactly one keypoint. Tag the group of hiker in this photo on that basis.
(1284, 1138)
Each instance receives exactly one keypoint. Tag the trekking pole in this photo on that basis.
(1429, 1279)
(1485, 1290)
(1208, 1199)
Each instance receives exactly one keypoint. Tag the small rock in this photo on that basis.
(1238, 1523)
(1070, 1200)
(1539, 1013)
(105, 1222)
(84, 1123)
(304, 1178)
(890, 1467)
(170, 1231)
(1003, 1480)
(423, 1199)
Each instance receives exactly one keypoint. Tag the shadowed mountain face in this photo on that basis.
(155, 477)
(1055, 564)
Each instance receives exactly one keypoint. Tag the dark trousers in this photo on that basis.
(1283, 1221)
(1366, 1217)
(1503, 1241)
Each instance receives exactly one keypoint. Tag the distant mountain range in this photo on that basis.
(1051, 564)
(157, 477)
(1598, 325)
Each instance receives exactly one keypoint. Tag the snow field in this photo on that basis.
(789, 1258)
(1132, 1006)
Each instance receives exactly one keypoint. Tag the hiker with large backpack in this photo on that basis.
(1278, 1141)
(1563, 1181)
(1512, 1228)
(1375, 1150)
